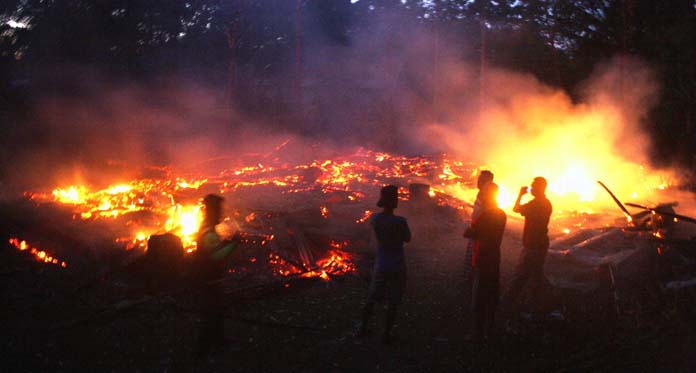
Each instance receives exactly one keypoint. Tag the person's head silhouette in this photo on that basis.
(213, 209)
(388, 197)
(538, 186)
(484, 178)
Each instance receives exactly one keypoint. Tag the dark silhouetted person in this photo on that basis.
(487, 230)
(485, 178)
(389, 274)
(210, 267)
(535, 240)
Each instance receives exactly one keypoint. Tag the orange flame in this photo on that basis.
(40, 255)
(571, 178)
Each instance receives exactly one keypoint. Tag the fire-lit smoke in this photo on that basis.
(396, 105)
(396, 86)
(405, 87)
(109, 131)
(525, 129)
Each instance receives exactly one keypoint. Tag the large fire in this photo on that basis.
(572, 184)
(523, 133)
(572, 175)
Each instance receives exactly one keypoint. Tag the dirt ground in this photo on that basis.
(52, 322)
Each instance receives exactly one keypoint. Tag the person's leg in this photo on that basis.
(217, 316)
(468, 271)
(217, 332)
(537, 278)
(207, 323)
(493, 295)
(396, 284)
(477, 307)
(365, 319)
(389, 322)
(488, 320)
(374, 293)
(519, 280)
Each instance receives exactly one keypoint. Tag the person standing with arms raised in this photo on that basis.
(535, 240)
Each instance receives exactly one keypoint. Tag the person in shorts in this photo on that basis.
(389, 274)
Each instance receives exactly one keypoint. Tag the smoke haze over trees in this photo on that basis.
(365, 71)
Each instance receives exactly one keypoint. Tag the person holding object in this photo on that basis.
(389, 274)
(211, 250)
(487, 231)
(535, 239)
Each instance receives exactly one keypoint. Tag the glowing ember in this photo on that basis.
(282, 267)
(40, 255)
(172, 200)
(365, 216)
(337, 262)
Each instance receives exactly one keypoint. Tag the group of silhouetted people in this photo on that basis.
(481, 259)
(481, 256)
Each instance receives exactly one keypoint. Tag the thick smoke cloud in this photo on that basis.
(396, 85)
(523, 128)
(404, 87)
(108, 130)
(516, 111)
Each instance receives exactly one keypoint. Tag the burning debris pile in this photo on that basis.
(303, 226)
(273, 204)
(302, 219)
(655, 244)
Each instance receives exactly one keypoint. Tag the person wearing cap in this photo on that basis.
(535, 240)
(389, 273)
(487, 230)
(211, 250)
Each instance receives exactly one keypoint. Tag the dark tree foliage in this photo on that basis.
(117, 35)
(663, 34)
(333, 18)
